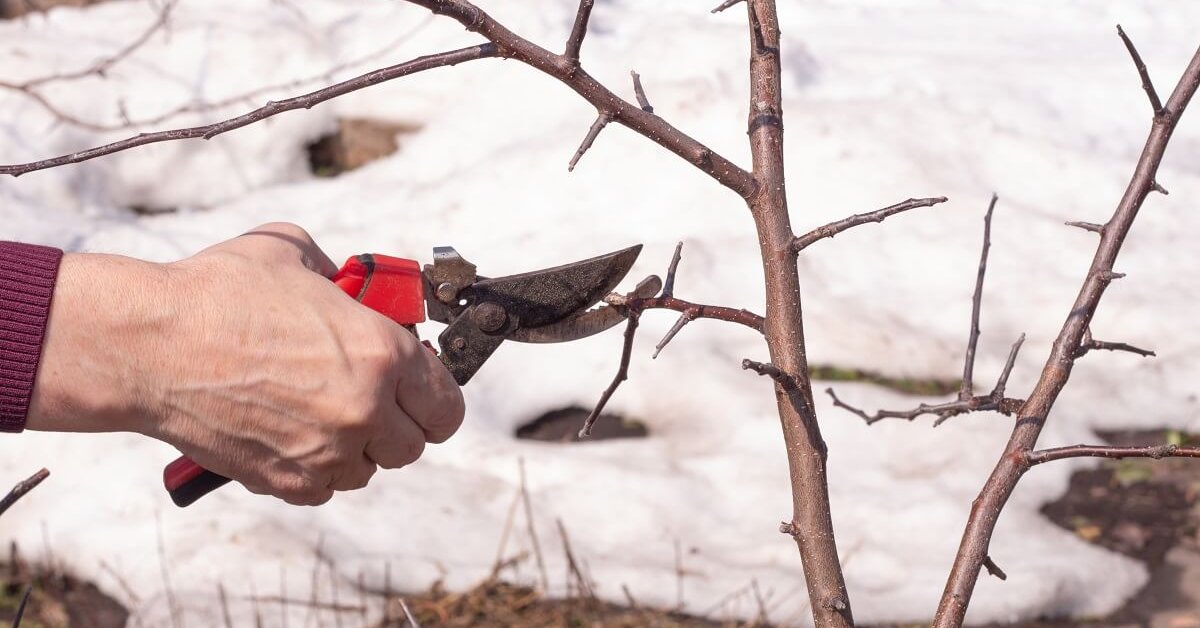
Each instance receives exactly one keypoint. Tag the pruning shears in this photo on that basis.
(543, 306)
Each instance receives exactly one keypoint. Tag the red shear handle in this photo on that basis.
(389, 285)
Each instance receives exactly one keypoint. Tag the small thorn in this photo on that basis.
(1108, 275)
(1158, 188)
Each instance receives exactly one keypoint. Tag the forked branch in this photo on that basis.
(967, 401)
(1012, 464)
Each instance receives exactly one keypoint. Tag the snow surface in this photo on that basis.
(885, 100)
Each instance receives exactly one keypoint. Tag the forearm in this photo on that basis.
(105, 310)
(27, 280)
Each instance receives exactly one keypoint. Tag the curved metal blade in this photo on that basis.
(587, 323)
(544, 297)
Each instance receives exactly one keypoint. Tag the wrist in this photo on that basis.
(109, 319)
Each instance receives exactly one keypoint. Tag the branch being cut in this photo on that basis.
(307, 101)
(985, 511)
(834, 228)
(1157, 452)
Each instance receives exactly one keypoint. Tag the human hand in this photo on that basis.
(248, 360)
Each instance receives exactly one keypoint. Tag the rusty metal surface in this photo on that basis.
(482, 313)
(587, 323)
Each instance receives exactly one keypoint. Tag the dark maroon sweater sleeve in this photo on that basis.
(27, 276)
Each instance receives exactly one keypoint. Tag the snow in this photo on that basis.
(885, 100)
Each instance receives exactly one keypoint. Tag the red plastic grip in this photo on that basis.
(391, 286)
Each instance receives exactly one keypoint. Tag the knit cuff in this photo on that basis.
(27, 276)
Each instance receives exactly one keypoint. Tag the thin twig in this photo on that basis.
(1156, 452)
(22, 489)
(579, 30)
(879, 215)
(532, 527)
(968, 387)
(639, 92)
(1087, 226)
(602, 121)
(20, 614)
(585, 587)
(307, 101)
(669, 282)
(408, 615)
(1147, 84)
(769, 370)
(508, 524)
(725, 5)
(622, 375)
(683, 319)
(1089, 344)
(993, 401)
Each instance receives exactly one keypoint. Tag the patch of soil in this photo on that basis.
(496, 604)
(563, 425)
(356, 143)
(57, 601)
(10, 9)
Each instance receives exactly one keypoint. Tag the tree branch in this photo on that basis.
(1156, 452)
(1147, 84)
(22, 489)
(985, 510)
(725, 5)
(1089, 344)
(512, 46)
(622, 375)
(967, 390)
(307, 101)
(834, 228)
(579, 30)
(602, 121)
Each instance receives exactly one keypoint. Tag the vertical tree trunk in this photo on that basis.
(811, 525)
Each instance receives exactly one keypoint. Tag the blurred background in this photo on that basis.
(671, 518)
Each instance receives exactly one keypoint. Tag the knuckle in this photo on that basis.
(287, 229)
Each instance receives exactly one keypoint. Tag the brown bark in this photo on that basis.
(811, 525)
(1031, 418)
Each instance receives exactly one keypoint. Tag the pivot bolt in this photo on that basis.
(446, 292)
(489, 317)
